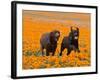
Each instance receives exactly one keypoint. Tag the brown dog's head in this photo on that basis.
(54, 36)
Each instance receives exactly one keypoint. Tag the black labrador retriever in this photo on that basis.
(71, 42)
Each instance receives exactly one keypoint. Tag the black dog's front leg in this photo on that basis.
(69, 51)
(77, 47)
(62, 48)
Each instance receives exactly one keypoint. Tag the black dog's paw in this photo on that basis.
(78, 51)
(60, 54)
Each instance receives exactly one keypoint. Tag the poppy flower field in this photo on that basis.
(36, 23)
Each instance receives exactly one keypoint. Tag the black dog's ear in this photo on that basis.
(78, 31)
(71, 29)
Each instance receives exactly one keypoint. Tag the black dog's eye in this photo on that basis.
(70, 38)
(75, 33)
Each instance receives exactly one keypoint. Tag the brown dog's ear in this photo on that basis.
(51, 37)
(52, 34)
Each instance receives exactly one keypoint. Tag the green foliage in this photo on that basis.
(29, 53)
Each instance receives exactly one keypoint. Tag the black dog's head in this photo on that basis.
(74, 34)
(54, 36)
